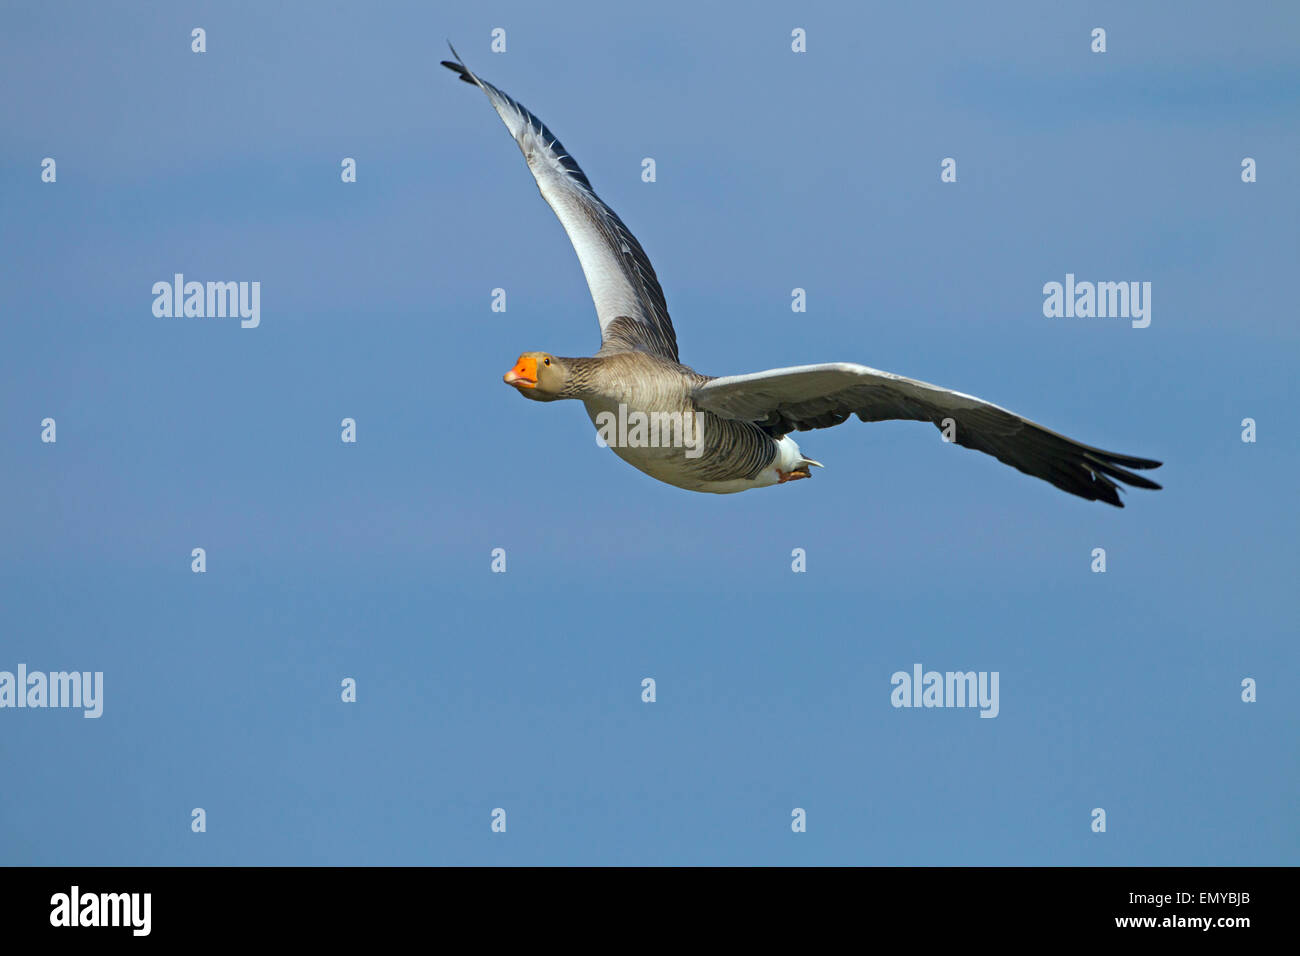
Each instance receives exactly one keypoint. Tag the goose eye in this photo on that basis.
(546, 361)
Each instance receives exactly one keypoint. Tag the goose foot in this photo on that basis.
(783, 476)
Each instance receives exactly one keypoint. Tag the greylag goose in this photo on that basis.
(732, 433)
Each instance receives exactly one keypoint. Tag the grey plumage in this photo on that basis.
(746, 418)
(820, 396)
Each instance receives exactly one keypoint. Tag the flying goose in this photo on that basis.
(732, 433)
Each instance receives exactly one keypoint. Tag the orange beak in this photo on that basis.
(524, 374)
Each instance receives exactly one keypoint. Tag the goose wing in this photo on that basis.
(819, 396)
(629, 302)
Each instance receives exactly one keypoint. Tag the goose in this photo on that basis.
(732, 433)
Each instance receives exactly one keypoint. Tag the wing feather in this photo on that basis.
(820, 396)
(629, 302)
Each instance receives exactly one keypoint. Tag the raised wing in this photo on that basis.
(629, 303)
(819, 396)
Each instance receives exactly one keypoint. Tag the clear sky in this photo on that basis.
(775, 170)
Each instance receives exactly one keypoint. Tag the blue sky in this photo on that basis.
(522, 690)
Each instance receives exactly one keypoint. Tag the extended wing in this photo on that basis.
(819, 396)
(629, 302)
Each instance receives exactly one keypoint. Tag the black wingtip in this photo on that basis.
(464, 74)
(459, 67)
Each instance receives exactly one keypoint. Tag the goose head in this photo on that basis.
(539, 376)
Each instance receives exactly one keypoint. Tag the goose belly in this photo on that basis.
(694, 451)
